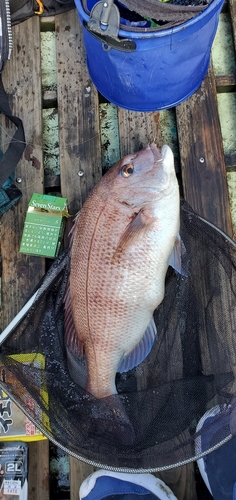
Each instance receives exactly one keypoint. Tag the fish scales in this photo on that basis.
(122, 242)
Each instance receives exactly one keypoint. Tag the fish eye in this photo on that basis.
(127, 170)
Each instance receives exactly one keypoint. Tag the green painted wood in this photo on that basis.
(50, 141)
(232, 10)
(222, 49)
(109, 132)
(48, 59)
(231, 179)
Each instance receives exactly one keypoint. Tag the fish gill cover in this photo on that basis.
(190, 367)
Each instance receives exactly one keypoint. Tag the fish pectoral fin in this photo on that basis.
(138, 225)
(141, 350)
(176, 258)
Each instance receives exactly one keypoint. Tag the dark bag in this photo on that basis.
(9, 193)
(13, 12)
(23, 9)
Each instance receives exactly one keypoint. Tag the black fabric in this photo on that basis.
(163, 13)
(189, 369)
(23, 9)
(16, 147)
(9, 194)
(163, 10)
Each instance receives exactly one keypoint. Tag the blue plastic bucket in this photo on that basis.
(166, 67)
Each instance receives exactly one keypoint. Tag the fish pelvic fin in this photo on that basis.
(71, 338)
(141, 350)
(176, 257)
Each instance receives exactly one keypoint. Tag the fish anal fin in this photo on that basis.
(141, 350)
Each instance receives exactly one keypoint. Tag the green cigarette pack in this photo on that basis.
(44, 225)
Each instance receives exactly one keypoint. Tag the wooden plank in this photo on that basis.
(38, 471)
(202, 156)
(230, 161)
(79, 471)
(136, 130)
(21, 273)
(78, 113)
(79, 141)
(203, 169)
(181, 481)
(226, 83)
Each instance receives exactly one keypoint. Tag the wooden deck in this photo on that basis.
(70, 129)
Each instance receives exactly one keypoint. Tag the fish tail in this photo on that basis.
(112, 421)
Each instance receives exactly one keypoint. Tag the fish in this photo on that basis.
(123, 240)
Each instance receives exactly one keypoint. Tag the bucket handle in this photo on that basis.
(104, 25)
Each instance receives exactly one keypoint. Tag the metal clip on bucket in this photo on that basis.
(104, 24)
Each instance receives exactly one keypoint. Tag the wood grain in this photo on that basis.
(79, 471)
(79, 140)
(135, 131)
(79, 135)
(202, 157)
(38, 471)
(21, 273)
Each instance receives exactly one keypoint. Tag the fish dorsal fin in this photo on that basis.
(139, 224)
(72, 231)
(71, 338)
(175, 259)
(141, 350)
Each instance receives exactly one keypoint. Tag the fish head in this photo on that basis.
(143, 177)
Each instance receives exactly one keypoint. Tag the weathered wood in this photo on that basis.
(79, 140)
(202, 156)
(52, 181)
(205, 185)
(79, 136)
(79, 471)
(230, 161)
(38, 471)
(181, 481)
(226, 83)
(21, 273)
(135, 131)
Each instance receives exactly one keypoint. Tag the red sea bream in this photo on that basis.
(124, 238)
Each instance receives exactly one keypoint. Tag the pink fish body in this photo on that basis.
(123, 240)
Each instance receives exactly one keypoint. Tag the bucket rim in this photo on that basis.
(159, 32)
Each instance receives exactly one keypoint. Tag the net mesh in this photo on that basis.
(190, 369)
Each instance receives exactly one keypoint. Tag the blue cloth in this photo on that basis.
(111, 488)
(220, 465)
